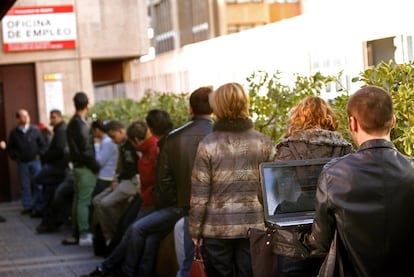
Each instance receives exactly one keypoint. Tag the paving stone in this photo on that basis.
(23, 252)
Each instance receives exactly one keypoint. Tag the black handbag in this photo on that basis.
(264, 261)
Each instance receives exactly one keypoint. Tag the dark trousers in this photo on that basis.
(59, 208)
(50, 176)
(298, 267)
(138, 249)
(227, 257)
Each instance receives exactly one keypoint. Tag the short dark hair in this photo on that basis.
(372, 107)
(137, 129)
(159, 121)
(80, 100)
(114, 125)
(199, 101)
(56, 111)
(99, 124)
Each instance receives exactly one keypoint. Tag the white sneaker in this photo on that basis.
(86, 239)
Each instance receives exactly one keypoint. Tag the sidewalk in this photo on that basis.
(23, 252)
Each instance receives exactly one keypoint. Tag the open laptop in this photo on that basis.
(289, 189)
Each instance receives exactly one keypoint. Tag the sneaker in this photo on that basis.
(86, 239)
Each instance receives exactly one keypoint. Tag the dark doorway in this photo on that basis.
(4, 165)
(18, 90)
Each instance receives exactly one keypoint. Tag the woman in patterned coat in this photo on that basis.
(225, 181)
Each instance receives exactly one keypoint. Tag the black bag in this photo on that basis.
(264, 261)
(287, 242)
(128, 217)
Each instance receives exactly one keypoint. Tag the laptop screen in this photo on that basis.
(289, 189)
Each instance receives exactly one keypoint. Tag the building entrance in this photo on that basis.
(17, 91)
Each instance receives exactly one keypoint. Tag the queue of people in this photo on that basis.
(201, 181)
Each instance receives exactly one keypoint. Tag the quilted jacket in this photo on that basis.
(225, 181)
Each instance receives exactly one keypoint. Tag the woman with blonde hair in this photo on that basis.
(310, 133)
(225, 181)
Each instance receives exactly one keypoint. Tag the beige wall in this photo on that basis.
(296, 45)
(76, 76)
(106, 29)
(111, 29)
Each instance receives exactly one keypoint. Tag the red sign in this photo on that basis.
(39, 28)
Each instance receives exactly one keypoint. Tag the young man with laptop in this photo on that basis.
(366, 199)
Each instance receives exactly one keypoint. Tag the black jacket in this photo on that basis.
(128, 161)
(176, 163)
(80, 142)
(58, 150)
(23, 147)
(368, 197)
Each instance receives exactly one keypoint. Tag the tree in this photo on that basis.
(271, 100)
(398, 79)
(128, 110)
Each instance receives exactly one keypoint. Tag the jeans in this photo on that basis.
(39, 199)
(26, 171)
(138, 249)
(224, 256)
(84, 182)
(184, 247)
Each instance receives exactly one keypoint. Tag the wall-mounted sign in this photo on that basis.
(53, 92)
(39, 28)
